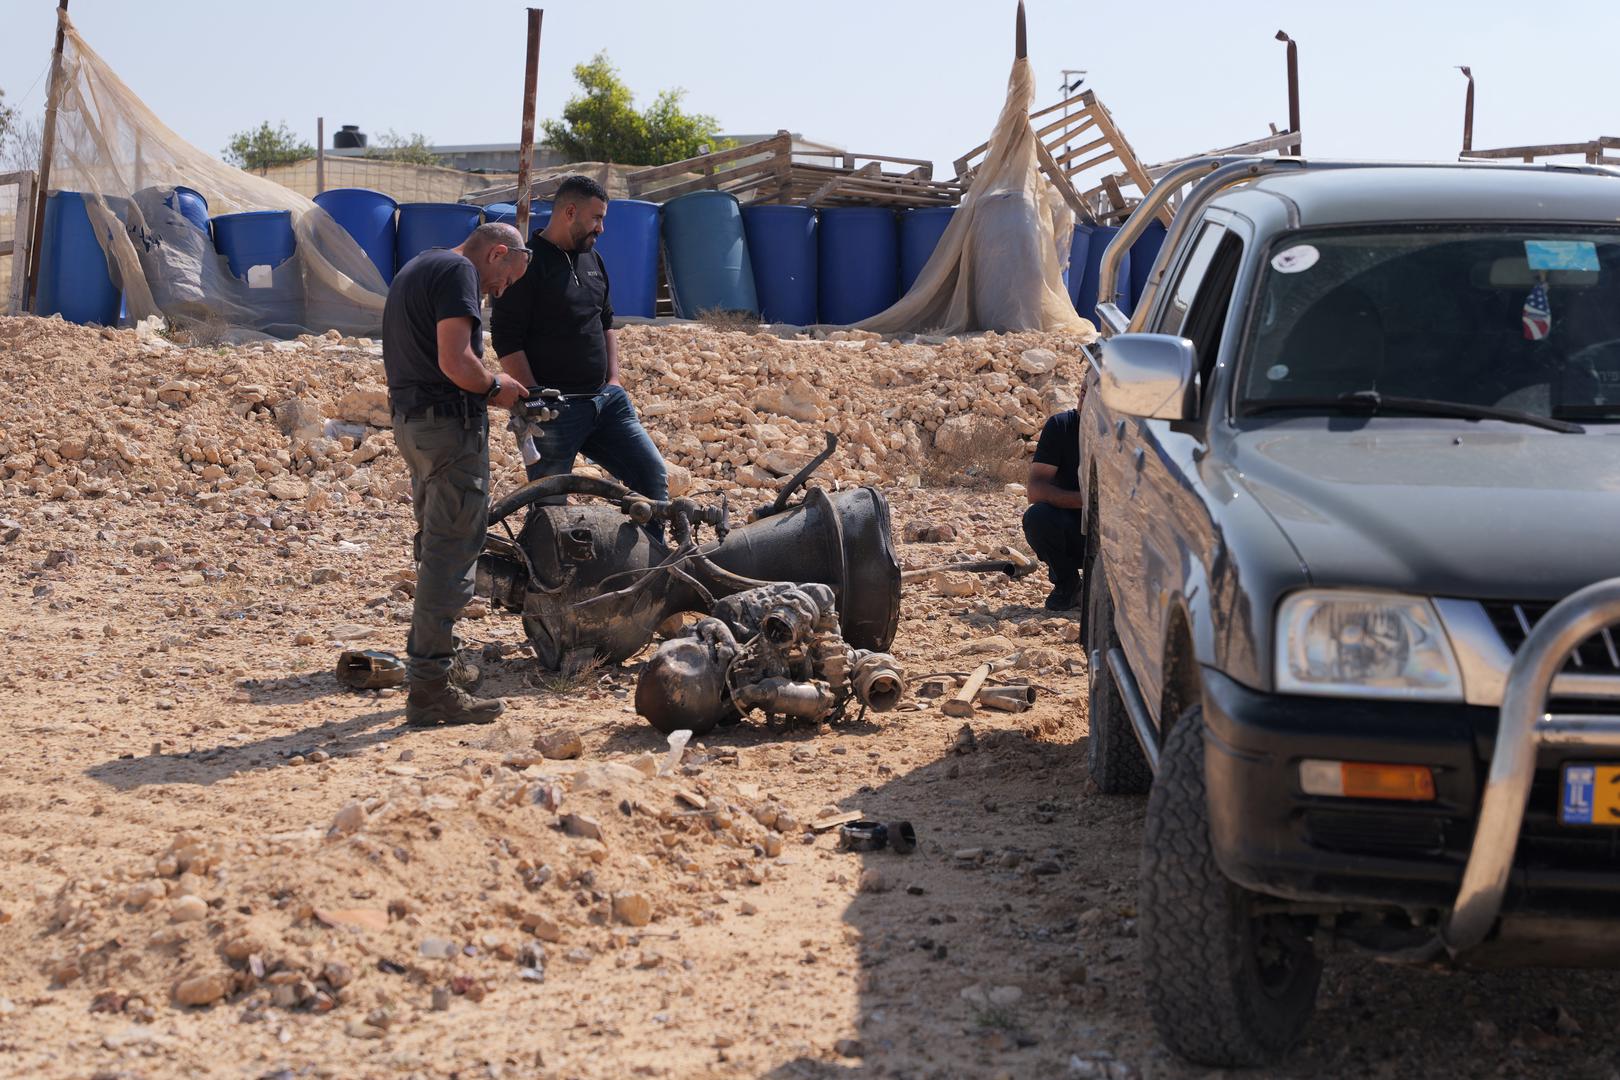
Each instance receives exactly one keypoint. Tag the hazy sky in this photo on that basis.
(907, 77)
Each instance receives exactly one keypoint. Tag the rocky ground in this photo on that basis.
(221, 863)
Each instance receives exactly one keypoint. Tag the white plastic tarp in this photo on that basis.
(999, 264)
(126, 162)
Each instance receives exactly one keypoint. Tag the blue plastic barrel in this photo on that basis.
(1074, 274)
(539, 213)
(1086, 295)
(629, 248)
(1143, 254)
(254, 238)
(859, 252)
(920, 230)
(192, 206)
(707, 255)
(431, 225)
(782, 247)
(73, 278)
(368, 216)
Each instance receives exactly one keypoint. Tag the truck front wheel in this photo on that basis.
(1115, 757)
(1226, 986)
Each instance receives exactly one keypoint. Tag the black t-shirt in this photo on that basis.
(437, 284)
(1059, 445)
(558, 314)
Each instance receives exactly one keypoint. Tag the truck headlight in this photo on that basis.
(1344, 643)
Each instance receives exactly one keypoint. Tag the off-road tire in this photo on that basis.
(1225, 988)
(1115, 757)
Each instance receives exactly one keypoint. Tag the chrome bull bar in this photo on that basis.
(1524, 726)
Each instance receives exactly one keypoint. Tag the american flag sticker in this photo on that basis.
(1537, 313)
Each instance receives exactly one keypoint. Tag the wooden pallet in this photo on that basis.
(1592, 151)
(1078, 136)
(542, 188)
(1085, 121)
(767, 172)
(752, 172)
(1117, 206)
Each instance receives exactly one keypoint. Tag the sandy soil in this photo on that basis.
(191, 808)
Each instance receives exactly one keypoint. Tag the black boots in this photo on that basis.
(1064, 596)
(439, 701)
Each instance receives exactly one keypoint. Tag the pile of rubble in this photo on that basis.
(535, 862)
(129, 413)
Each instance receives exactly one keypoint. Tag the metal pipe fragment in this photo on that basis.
(879, 682)
(803, 700)
(1007, 698)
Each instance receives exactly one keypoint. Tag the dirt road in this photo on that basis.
(192, 809)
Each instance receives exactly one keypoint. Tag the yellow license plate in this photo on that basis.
(1591, 795)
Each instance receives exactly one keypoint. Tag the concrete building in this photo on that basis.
(503, 157)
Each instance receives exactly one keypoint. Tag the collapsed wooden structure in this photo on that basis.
(773, 171)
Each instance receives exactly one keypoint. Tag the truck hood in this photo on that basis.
(1482, 510)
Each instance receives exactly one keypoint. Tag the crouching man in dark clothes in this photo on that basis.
(440, 393)
(1052, 523)
(554, 329)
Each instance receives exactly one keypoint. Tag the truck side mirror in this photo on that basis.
(1149, 375)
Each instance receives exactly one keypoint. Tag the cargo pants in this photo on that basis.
(1058, 539)
(448, 458)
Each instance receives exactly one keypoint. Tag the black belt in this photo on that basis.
(445, 410)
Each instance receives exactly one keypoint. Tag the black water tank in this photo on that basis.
(349, 138)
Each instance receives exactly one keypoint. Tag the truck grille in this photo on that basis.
(1372, 833)
(1597, 655)
(1543, 841)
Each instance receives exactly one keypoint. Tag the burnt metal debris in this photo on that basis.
(369, 669)
(899, 836)
(591, 581)
(776, 648)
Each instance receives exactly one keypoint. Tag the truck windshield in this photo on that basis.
(1525, 319)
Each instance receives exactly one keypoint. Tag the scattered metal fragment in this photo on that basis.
(369, 669)
(1015, 698)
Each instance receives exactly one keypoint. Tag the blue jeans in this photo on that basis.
(605, 428)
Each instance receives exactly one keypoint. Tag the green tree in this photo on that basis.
(8, 117)
(259, 148)
(602, 124)
(411, 149)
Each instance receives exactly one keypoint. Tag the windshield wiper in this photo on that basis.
(1373, 401)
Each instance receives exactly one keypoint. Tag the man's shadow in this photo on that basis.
(204, 767)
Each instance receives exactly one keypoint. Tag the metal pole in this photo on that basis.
(320, 154)
(1468, 111)
(531, 76)
(47, 147)
(1293, 91)
(1020, 37)
(1067, 92)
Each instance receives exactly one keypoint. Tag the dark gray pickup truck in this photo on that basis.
(1352, 468)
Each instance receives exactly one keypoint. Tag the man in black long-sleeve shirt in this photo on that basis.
(554, 328)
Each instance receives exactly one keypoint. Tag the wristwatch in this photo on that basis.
(494, 388)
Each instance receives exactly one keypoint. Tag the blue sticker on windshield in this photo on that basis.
(1561, 254)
